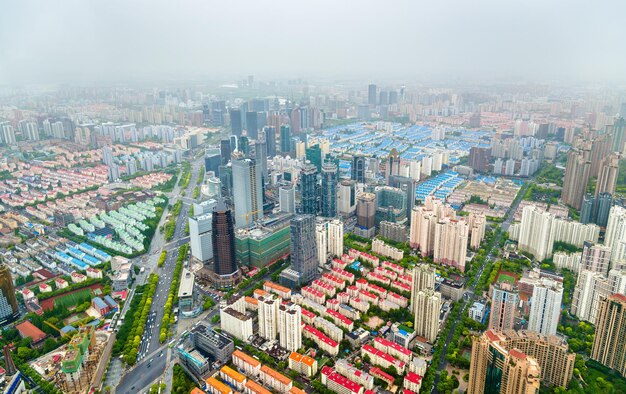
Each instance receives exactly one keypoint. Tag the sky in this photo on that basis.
(89, 41)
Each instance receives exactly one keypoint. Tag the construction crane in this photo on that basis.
(63, 334)
(251, 213)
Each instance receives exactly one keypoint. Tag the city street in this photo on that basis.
(472, 295)
(145, 371)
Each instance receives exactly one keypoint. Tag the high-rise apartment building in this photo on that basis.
(607, 179)
(596, 209)
(426, 309)
(479, 158)
(321, 242)
(290, 326)
(516, 361)
(591, 287)
(450, 244)
(609, 345)
(247, 192)
(308, 189)
(536, 235)
(9, 310)
(268, 317)
(504, 301)
(7, 133)
(329, 190)
(545, 308)
(423, 221)
(595, 258)
(223, 239)
(423, 279)
(496, 370)
(615, 235)
(335, 238)
(577, 172)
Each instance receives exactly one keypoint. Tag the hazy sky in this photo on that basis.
(106, 41)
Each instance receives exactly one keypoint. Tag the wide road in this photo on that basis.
(141, 375)
(472, 295)
(150, 345)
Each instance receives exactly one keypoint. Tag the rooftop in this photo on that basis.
(186, 284)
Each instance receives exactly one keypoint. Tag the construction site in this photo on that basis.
(74, 366)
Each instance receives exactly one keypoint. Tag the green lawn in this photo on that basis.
(73, 299)
(506, 278)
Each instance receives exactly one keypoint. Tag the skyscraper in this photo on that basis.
(358, 168)
(577, 172)
(607, 179)
(366, 214)
(270, 140)
(427, 308)
(303, 248)
(235, 122)
(545, 309)
(287, 198)
(308, 189)
(200, 237)
(392, 165)
(260, 152)
(225, 151)
(314, 155)
(9, 310)
(407, 185)
(609, 345)
(329, 190)
(243, 145)
(252, 125)
(371, 94)
(504, 301)
(223, 238)
(285, 140)
(247, 192)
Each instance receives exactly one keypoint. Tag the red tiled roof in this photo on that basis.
(334, 376)
(28, 329)
(413, 377)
